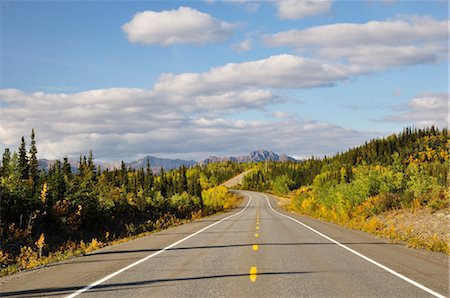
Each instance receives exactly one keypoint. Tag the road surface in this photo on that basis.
(236, 179)
(254, 251)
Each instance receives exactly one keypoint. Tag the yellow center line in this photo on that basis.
(255, 247)
(256, 235)
(257, 227)
(253, 274)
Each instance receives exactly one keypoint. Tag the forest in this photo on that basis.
(373, 187)
(55, 214)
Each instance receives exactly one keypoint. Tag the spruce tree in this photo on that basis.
(163, 183)
(182, 184)
(91, 165)
(123, 174)
(6, 164)
(149, 177)
(23, 161)
(66, 168)
(33, 164)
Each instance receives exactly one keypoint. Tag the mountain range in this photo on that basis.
(254, 156)
(168, 164)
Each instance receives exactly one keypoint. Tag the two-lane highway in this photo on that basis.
(254, 251)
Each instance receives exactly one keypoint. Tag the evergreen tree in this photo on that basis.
(182, 184)
(23, 161)
(149, 177)
(90, 163)
(66, 168)
(80, 165)
(33, 164)
(123, 174)
(163, 187)
(194, 187)
(6, 164)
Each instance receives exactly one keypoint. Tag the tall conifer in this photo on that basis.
(23, 160)
(33, 164)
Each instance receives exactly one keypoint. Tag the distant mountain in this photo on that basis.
(155, 163)
(254, 156)
(45, 164)
(158, 163)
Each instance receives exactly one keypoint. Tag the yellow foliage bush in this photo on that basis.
(4, 258)
(27, 258)
(95, 244)
(218, 198)
(18, 234)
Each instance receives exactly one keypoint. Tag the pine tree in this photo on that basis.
(6, 164)
(182, 183)
(123, 174)
(149, 177)
(23, 161)
(66, 168)
(163, 187)
(91, 165)
(33, 164)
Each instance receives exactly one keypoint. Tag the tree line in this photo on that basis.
(94, 203)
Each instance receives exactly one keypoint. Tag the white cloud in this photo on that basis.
(395, 33)
(250, 5)
(125, 124)
(299, 9)
(374, 45)
(168, 27)
(424, 110)
(243, 46)
(281, 71)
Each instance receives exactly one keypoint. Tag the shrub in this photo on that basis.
(218, 198)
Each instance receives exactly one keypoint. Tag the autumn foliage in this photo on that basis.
(55, 214)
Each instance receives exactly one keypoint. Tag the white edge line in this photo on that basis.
(420, 286)
(102, 280)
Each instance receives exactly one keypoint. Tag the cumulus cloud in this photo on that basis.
(243, 46)
(377, 44)
(123, 123)
(168, 27)
(424, 110)
(299, 9)
(281, 71)
(180, 114)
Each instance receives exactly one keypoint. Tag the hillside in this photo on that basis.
(378, 187)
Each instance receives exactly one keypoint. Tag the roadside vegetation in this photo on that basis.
(53, 215)
(395, 187)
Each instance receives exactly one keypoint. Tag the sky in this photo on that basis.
(190, 79)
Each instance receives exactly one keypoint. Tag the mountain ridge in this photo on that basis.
(254, 156)
(167, 164)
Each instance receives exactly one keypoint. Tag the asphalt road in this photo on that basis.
(253, 251)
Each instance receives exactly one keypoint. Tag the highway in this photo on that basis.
(256, 250)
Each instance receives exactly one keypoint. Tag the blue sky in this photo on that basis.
(189, 79)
